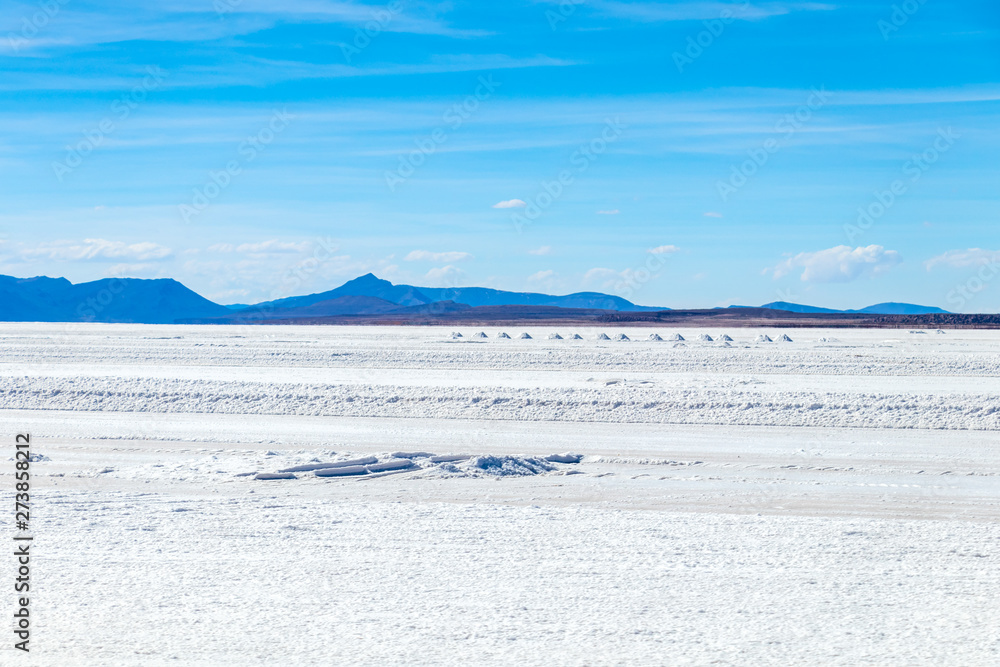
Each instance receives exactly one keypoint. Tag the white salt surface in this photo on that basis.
(830, 502)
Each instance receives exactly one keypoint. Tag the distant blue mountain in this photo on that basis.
(798, 308)
(893, 308)
(43, 299)
(408, 295)
(366, 285)
(889, 308)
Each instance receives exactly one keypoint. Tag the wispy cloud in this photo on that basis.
(444, 276)
(427, 256)
(655, 12)
(613, 211)
(839, 264)
(663, 250)
(963, 259)
(262, 248)
(96, 250)
(544, 250)
(510, 203)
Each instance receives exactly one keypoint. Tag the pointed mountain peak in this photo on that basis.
(367, 278)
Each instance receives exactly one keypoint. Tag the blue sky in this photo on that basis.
(684, 154)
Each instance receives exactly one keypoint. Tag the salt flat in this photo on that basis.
(830, 500)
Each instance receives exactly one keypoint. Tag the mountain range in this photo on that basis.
(888, 308)
(166, 301)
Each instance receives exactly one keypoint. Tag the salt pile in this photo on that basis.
(726, 338)
(602, 336)
(676, 337)
(654, 336)
(785, 339)
(525, 336)
(456, 334)
(509, 466)
(502, 335)
(705, 337)
(555, 336)
(622, 337)
(481, 334)
(576, 337)
(763, 338)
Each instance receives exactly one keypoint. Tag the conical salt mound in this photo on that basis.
(525, 336)
(622, 337)
(555, 336)
(455, 334)
(654, 336)
(705, 337)
(726, 338)
(785, 339)
(603, 336)
(481, 334)
(676, 337)
(502, 335)
(576, 337)
(763, 338)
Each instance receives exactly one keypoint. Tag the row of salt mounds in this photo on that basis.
(764, 338)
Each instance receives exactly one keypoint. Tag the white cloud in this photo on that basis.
(96, 250)
(712, 214)
(663, 250)
(511, 203)
(427, 256)
(963, 259)
(604, 278)
(652, 12)
(444, 276)
(611, 212)
(839, 264)
(544, 250)
(271, 247)
(542, 276)
(133, 271)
